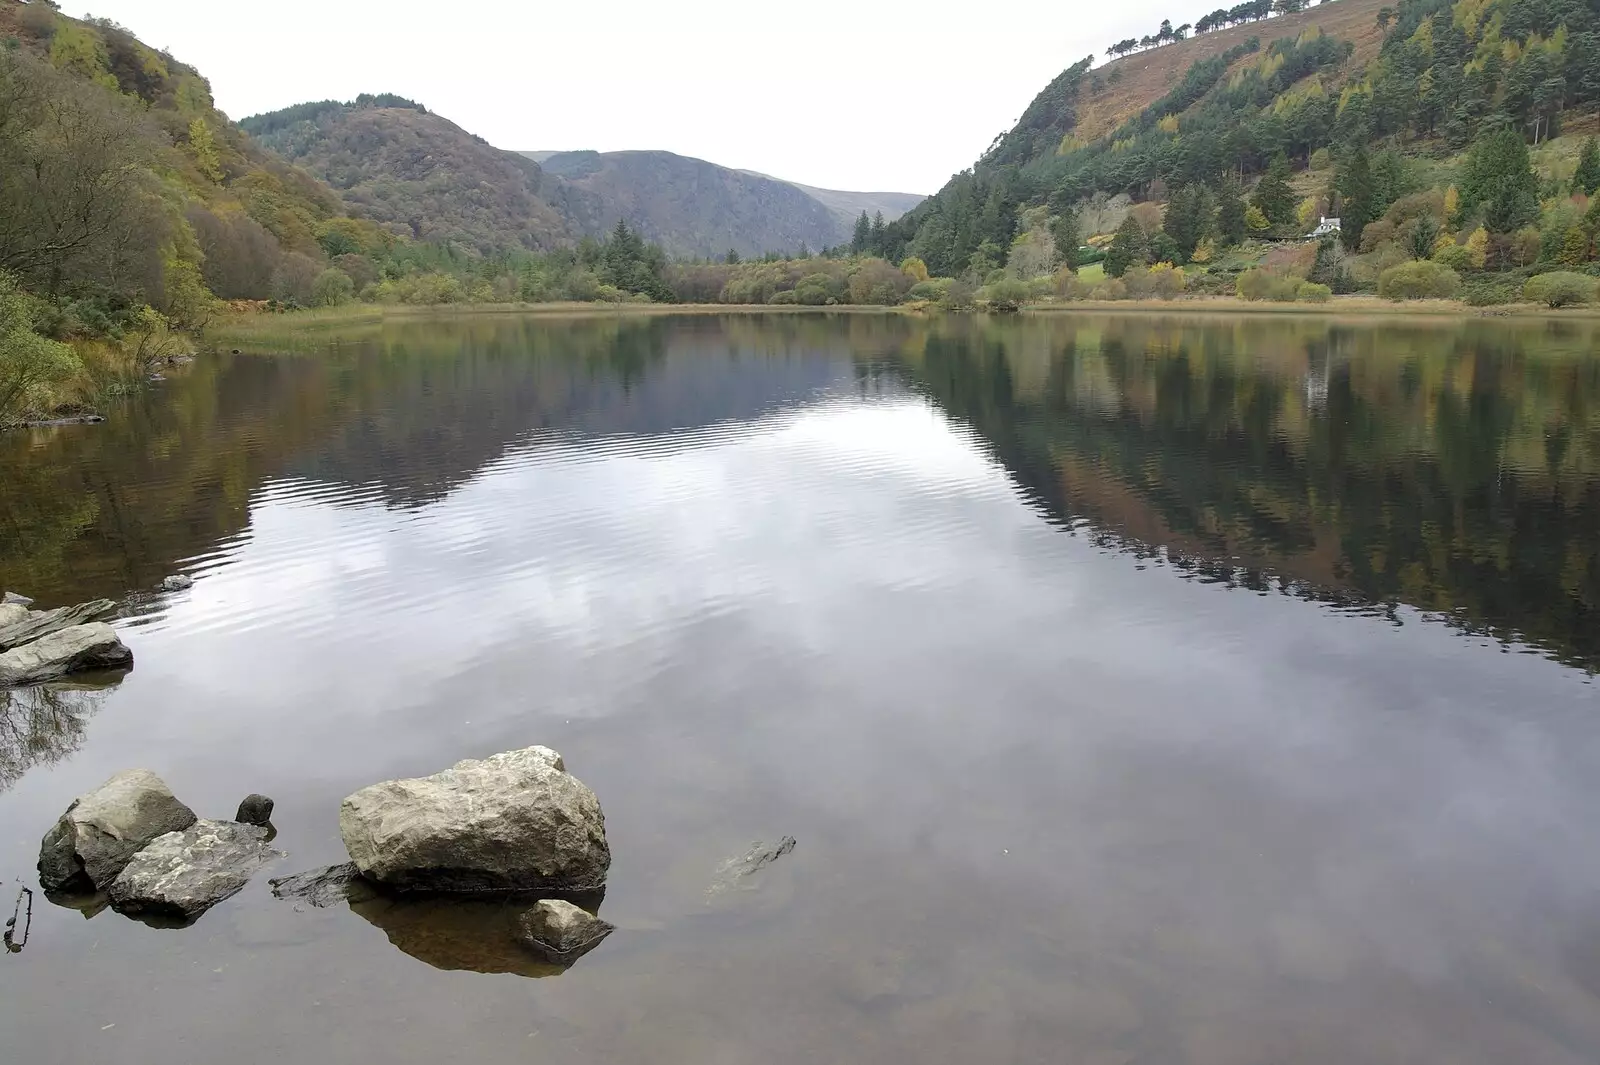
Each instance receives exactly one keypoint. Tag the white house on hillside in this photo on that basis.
(1327, 227)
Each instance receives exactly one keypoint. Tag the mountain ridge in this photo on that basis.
(423, 176)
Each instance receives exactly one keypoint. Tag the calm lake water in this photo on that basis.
(1139, 690)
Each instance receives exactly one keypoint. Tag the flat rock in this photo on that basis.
(181, 875)
(103, 829)
(33, 624)
(325, 887)
(15, 599)
(516, 822)
(177, 582)
(560, 932)
(62, 652)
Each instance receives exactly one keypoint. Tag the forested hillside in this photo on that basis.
(1351, 107)
(420, 175)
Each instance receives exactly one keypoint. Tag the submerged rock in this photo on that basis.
(560, 932)
(514, 822)
(177, 582)
(476, 935)
(181, 875)
(33, 624)
(326, 887)
(254, 810)
(732, 871)
(103, 830)
(73, 650)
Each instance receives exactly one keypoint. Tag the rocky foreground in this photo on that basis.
(41, 645)
(514, 827)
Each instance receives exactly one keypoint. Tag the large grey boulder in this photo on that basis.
(560, 932)
(102, 830)
(64, 651)
(181, 875)
(33, 624)
(514, 822)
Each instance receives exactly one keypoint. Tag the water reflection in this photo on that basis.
(43, 724)
(791, 576)
(481, 936)
(1451, 468)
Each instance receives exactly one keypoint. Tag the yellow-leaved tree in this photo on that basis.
(915, 269)
(1478, 247)
(203, 146)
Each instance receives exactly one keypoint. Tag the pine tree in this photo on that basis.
(1230, 213)
(1499, 181)
(1188, 219)
(1129, 247)
(1587, 178)
(863, 233)
(1274, 196)
(1064, 232)
(1360, 198)
(876, 241)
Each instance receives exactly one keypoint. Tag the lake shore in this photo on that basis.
(246, 327)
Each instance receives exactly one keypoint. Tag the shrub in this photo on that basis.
(1490, 291)
(31, 366)
(1455, 257)
(332, 287)
(929, 290)
(1311, 292)
(1112, 288)
(1161, 281)
(957, 296)
(1006, 294)
(1258, 284)
(1419, 280)
(1559, 289)
(784, 298)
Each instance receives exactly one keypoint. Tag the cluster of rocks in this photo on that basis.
(37, 646)
(132, 839)
(41, 645)
(514, 826)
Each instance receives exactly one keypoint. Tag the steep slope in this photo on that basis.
(1423, 76)
(123, 144)
(422, 176)
(694, 208)
(1124, 88)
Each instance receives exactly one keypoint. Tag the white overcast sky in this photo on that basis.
(869, 95)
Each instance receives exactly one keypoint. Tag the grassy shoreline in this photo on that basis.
(257, 326)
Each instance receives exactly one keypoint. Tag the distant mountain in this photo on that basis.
(847, 206)
(421, 175)
(692, 207)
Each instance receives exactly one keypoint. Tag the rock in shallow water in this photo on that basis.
(71, 650)
(27, 626)
(514, 822)
(102, 830)
(254, 810)
(183, 874)
(325, 887)
(560, 932)
(177, 582)
(15, 599)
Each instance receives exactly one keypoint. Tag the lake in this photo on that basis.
(1139, 689)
